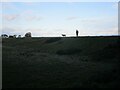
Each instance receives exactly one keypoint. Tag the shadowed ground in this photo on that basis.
(55, 62)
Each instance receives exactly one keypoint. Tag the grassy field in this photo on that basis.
(61, 62)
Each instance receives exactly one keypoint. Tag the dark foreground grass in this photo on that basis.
(82, 62)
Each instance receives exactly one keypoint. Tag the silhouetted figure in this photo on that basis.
(77, 33)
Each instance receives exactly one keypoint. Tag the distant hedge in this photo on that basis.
(68, 51)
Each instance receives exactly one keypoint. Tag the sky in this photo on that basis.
(51, 19)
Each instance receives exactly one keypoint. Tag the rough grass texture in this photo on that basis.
(82, 62)
(51, 40)
(68, 51)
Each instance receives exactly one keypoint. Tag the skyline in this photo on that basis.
(46, 19)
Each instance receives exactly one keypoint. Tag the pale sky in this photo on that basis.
(44, 19)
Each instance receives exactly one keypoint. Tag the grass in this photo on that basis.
(83, 62)
(70, 51)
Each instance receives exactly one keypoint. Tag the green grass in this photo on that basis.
(83, 62)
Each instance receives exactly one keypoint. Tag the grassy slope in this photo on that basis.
(61, 62)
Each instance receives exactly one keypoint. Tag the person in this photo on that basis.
(77, 33)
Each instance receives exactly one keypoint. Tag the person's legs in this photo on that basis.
(77, 34)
